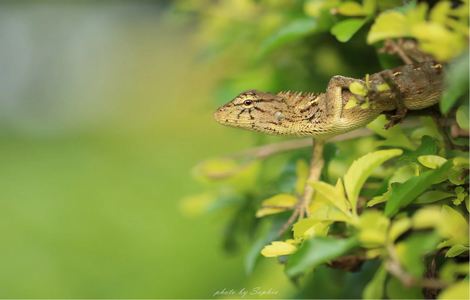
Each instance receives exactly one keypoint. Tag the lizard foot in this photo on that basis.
(394, 119)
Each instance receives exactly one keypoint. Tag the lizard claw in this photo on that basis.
(394, 119)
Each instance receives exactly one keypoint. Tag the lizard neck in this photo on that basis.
(306, 114)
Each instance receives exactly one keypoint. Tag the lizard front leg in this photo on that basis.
(401, 110)
(334, 94)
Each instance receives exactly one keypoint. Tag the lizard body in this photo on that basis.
(408, 87)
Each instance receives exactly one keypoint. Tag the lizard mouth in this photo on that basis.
(220, 115)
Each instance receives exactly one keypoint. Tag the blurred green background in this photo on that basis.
(104, 110)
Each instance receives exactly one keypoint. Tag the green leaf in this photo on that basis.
(440, 12)
(456, 82)
(432, 36)
(456, 250)
(426, 217)
(276, 204)
(351, 8)
(460, 290)
(389, 24)
(344, 30)
(404, 173)
(432, 196)
(375, 287)
(462, 116)
(369, 6)
(460, 194)
(451, 270)
(317, 251)
(373, 226)
(411, 251)
(302, 175)
(396, 290)
(398, 228)
(361, 169)
(431, 161)
(332, 194)
(393, 136)
(307, 228)
(293, 31)
(278, 248)
(454, 225)
(405, 193)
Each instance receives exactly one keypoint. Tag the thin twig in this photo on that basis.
(316, 166)
(394, 267)
(275, 148)
(391, 47)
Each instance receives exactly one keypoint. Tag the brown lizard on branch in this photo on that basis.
(327, 114)
(347, 104)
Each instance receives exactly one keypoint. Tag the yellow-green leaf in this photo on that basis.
(373, 227)
(398, 228)
(322, 209)
(432, 37)
(448, 222)
(426, 217)
(278, 248)
(432, 161)
(390, 24)
(456, 250)
(361, 169)
(302, 175)
(453, 225)
(332, 194)
(276, 204)
(350, 8)
(440, 12)
(307, 228)
(460, 290)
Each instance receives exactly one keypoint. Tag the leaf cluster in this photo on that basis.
(394, 206)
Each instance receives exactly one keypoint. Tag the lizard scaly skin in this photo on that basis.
(409, 87)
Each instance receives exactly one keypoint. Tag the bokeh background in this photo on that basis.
(106, 115)
(105, 108)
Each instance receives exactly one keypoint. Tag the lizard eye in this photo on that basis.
(247, 102)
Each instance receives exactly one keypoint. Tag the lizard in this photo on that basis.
(324, 115)
(413, 86)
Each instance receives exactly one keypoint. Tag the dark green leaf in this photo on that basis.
(293, 31)
(344, 30)
(267, 233)
(405, 193)
(429, 146)
(375, 288)
(456, 82)
(462, 116)
(317, 251)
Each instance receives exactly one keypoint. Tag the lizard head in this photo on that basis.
(257, 111)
